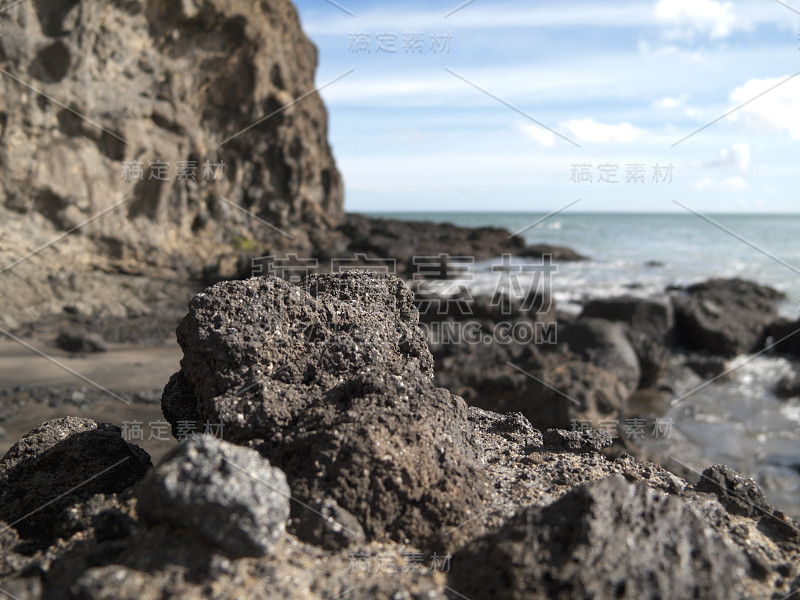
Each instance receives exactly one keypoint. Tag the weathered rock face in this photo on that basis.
(332, 381)
(92, 87)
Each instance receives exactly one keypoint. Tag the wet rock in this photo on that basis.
(60, 463)
(724, 316)
(738, 494)
(608, 539)
(604, 344)
(73, 340)
(654, 317)
(332, 382)
(224, 493)
(784, 336)
(592, 440)
(788, 386)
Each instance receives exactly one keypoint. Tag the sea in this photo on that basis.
(737, 420)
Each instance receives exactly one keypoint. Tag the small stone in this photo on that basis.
(328, 525)
(73, 340)
(227, 494)
(738, 494)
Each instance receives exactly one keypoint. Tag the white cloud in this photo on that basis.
(588, 130)
(541, 136)
(707, 16)
(731, 184)
(669, 102)
(777, 110)
(736, 158)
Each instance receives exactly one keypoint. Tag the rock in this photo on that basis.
(328, 525)
(403, 240)
(604, 540)
(332, 382)
(205, 90)
(654, 317)
(79, 341)
(724, 316)
(592, 440)
(707, 367)
(737, 494)
(784, 336)
(604, 344)
(788, 386)
(60, 463)
(226, 494)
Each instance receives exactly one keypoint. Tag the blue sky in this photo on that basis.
(493, 107)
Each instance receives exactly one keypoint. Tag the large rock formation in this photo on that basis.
(97, 94)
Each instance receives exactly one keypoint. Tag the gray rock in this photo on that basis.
(604, 540)
(60, 463)
(226, 494)
(788, 386)
(604, 344)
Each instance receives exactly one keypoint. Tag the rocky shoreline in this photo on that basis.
(344, 471)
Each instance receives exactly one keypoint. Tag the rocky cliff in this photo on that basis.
(146, 129)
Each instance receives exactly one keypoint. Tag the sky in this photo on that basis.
(500, 105)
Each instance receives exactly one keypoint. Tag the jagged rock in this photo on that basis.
(724, 316)
(604, 344)
(739, 495)
(129, 87)
(332, 381)
(60, 463)
(604, 540)
(592, 440)
(224, 493)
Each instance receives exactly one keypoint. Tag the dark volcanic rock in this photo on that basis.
(604, 540)
(560, 440)
(332, 382)
(788, 386)
(738, 494)
(654, 317)
(60, 463)
(604, 344)
(724, 316)
(403, 240)
(785, 336)
(227, 494)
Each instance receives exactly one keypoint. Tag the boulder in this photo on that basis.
(724, 316)
(226, 494)
(653, 317)
(61, 463)
(604, 344)
(331, 380)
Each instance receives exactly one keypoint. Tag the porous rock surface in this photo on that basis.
(331, 380)
(227, 494)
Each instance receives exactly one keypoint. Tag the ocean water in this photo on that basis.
(738, 421)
